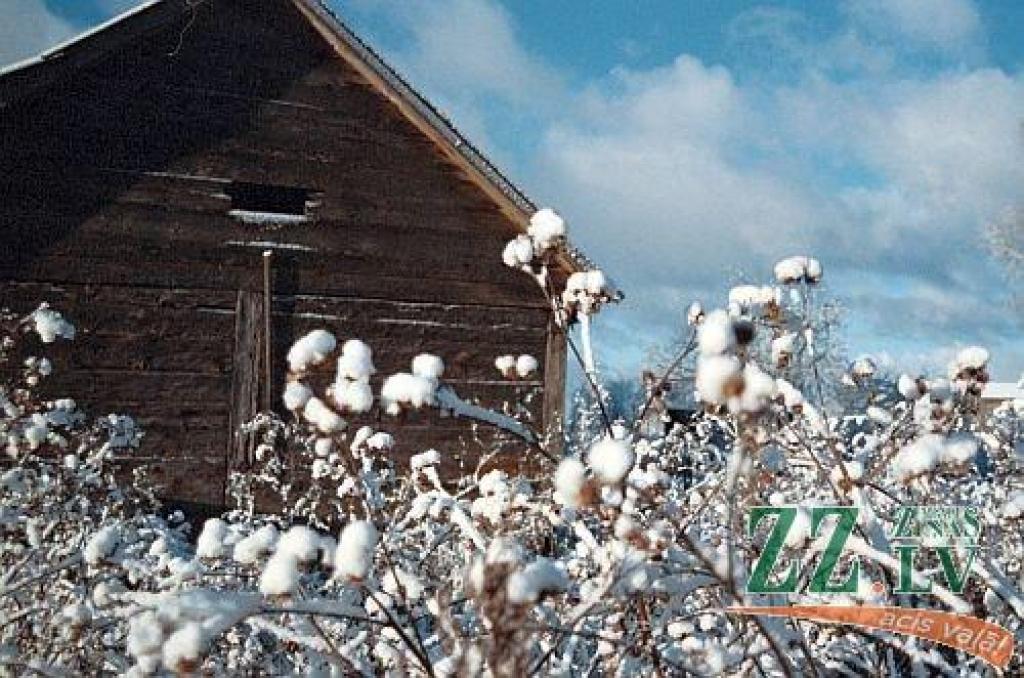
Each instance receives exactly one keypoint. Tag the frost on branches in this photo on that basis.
(616, 555)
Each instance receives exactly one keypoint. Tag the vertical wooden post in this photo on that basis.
(246, 375)
(252, 367)
(554, 386)
(268, 344)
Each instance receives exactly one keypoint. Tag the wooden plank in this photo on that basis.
(142, 392)
(554, 386)
(323, 278)
(191, 480)
(31, 292)
(215, 237)
(247, 386)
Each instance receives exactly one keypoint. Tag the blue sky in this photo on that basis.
(692, 143)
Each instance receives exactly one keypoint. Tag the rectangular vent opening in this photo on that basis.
(264, 203)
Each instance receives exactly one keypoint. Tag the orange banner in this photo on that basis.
(989, 642)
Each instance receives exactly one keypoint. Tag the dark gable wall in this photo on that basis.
(114, 210)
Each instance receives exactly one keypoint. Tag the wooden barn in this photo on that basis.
(146, 166)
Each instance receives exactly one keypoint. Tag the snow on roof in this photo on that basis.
(1002, 390)
(58, 49)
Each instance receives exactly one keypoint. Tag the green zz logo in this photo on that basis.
(950, 529)
(821, 579)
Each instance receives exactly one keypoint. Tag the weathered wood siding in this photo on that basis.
(114, 210)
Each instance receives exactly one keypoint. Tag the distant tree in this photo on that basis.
(1005, 237)
(796, 328)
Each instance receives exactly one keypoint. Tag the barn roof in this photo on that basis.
(22, 78)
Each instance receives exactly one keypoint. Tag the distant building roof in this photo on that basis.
(1003, 390)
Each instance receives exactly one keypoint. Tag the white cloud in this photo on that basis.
(682, 178)
(462, 47)
(943, 24)
(466, 57)
(651, 161)
(680, 175)
(27, 28)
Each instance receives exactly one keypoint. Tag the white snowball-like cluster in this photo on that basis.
(782, 348)
(352, 396)
(960, 448)
(320, 414)
(547, 229)
(911, 388)
(969, 363)
(719, 378)
(863, 367)
(427, 366)
(257, 545)
(750, 297)
(41, 367)
(145, 641)
(310, 350)
(587, 282)
(925, 454)
(758, 390)
(353, 558)
(498, 495)
(518, 252)
(351, 388)
(797, 269)
(299, 542)
(183, 648)
(296, 395)
(526, 365)
(211, 539)
(178, 632)
(506, 364)
(539, 577)
(355, 361)
(425, 459)
(406, 389)
(717, 334)
(280, 576)
(919, 457)
(610, 460)
(413, 390)
(323, 447)
(570, 481)
(51, 325)
(512, 367)
(380, 441)
(365, 438)
(586, 291)
(101, 545)
(545, 232)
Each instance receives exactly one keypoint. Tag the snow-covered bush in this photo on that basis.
(618, 554)
(78, 530)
